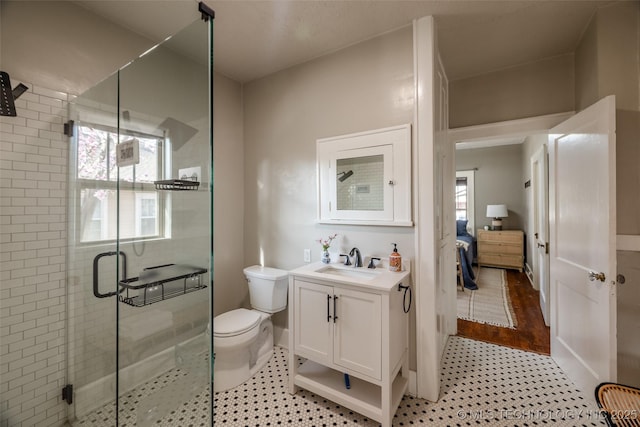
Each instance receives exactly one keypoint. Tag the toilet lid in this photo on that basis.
(235, 322)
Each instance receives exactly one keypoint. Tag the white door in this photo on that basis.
(540, 174)
(313, 317)
(358, 332)
(582, 219)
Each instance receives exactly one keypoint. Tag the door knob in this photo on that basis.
(593, 276)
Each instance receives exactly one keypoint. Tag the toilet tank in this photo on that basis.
(267, 288)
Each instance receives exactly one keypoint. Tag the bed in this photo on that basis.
(465, 245)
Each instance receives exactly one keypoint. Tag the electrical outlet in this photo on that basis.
(307, 255)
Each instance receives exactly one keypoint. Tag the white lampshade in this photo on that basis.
(497, 211)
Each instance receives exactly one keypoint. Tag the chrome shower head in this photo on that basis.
(345, 175)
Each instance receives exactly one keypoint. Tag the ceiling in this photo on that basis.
(253, 39)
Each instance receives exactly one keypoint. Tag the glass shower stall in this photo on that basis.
(140, 240)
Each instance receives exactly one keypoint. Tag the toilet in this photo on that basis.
(243, 339)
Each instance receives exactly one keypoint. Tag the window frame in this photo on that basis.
(470, 177)
(163, 166)
(139, 197)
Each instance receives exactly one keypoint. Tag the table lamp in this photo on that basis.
(497, 212)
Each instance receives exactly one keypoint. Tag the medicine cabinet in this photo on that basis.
(365, 178)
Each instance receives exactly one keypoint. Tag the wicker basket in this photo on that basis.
(620, 403)
(176, 185)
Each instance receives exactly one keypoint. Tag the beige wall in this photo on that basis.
(627, 171)
(586, 68)
(533, 89)
(619, 74)
(618, 50)
(366, 86)
(608, 63)
(607, 58)
(230, 289)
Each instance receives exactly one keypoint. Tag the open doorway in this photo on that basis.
(500, 299)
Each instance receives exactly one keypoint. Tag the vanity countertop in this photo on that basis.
(380, 279)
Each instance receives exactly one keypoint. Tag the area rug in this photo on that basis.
(490, 303)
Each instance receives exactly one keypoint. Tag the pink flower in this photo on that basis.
(326, 243)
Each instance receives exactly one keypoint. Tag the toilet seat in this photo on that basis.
(235, 322)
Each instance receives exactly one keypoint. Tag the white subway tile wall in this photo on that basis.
(364, 190)
(33, 240)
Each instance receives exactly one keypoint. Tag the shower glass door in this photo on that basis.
(140, 261)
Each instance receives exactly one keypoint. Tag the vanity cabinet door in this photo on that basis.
(313, 317)
(358, 332)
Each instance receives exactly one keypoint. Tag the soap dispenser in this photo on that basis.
(395, 259)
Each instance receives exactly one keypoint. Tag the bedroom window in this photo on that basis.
(141, 206)
(464, 198)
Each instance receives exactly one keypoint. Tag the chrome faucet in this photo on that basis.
(358, 260)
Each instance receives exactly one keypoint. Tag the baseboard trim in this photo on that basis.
(412, 389)
(529, 273)
(281, 336)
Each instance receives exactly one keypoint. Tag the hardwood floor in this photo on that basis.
(531, 333)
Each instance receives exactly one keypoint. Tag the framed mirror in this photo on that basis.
(365, 178)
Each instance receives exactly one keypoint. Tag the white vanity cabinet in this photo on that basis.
(351, 335)
(338, 328)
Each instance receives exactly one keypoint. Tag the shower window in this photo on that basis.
(97, 175)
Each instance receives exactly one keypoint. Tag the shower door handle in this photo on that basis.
(96, 260)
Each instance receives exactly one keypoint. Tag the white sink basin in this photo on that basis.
(351, 272)
(378, 278)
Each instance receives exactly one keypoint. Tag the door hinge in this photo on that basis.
(67, 393)
(68, 128)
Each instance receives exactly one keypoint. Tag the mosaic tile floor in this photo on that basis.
(482, 384)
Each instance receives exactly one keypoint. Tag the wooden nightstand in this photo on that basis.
(502, 248)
